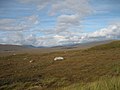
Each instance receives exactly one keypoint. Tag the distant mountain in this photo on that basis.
(83, 45)
(28, 46)
(6, 47)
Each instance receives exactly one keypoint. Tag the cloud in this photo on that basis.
(12, 38)
(80, 7)
(70, 19)
(66, 21)
(19, 37)
(6, 21)
(19, 24)
(69, 13)
(64, 6)
(111, 32)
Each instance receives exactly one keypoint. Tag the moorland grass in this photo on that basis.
(80, 66)
(102, 84)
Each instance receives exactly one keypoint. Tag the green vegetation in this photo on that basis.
(84, 67)
(112, 45)
(104, 84)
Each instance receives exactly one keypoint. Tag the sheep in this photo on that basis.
(58, 58)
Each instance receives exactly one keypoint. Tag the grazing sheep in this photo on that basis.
(58, 58)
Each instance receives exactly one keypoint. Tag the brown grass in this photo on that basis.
(80, 66)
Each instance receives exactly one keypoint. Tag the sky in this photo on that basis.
(58, 22)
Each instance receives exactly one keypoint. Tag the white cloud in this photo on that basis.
(69, 12)
(110, 32)
(80, 7)
(70, 19)
(12, 38)
(19, 24)
(66, 21)
(6, 21)
(64, 6)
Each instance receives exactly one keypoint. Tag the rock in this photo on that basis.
(25, 58)
(14, 54)
(31, 61)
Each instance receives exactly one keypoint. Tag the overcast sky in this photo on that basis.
(58, 22)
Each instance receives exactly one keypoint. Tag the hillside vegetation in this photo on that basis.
(112, 45)
(97, 68)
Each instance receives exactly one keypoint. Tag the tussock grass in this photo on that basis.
(102, 84)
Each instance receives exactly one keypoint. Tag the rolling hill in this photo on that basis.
(80, 69)
(6, 50)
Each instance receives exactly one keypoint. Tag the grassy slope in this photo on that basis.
(103, 84)
(81, 66)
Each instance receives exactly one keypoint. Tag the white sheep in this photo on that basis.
(58, 58)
